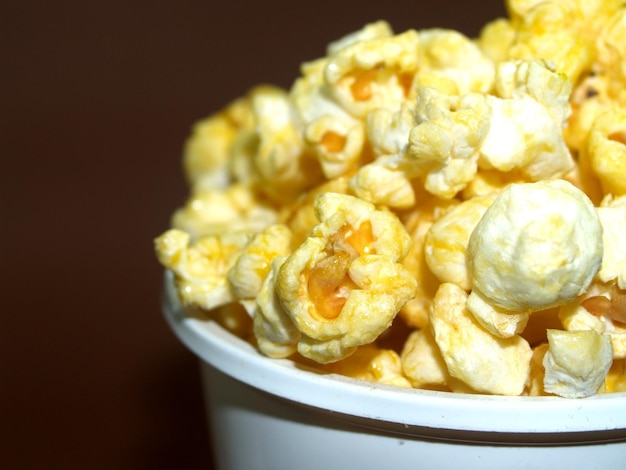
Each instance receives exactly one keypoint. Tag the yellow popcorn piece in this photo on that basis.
(418, 222)
(371, 31)
(448, 55)
(214, 211)
(282, 167)
(443, 146)
(557, 31)
(344, 285)
(577, 362)
(499, 322)
(534, 386)
(607, 150)
(526, 131)
(575, 317)
(484, 362)
(422, 362)
(383, 186)
(373, 73)
(446, 241)
(337, 143)
(253, 264)
(373, 364)
(616, 377)
(538, 245)
(606, 307)
(300, 216)
(275, 333)
(200, 268)
(495, 38)
(207, 150)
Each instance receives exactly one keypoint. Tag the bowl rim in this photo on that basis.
(389, 407)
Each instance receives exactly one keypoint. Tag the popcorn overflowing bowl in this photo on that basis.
(422, 236)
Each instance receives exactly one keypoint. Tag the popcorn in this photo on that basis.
(422, 362)
(538, 245)
(201, 267)
(526, 131)
(371, 73)
(446, 241)
(423, 209)
(276, 334)
(576, 362)
(484, 362)
(214, 211)
(253, 263)
(607, 151)
(444, 144)
(346, 273)
(371, 363)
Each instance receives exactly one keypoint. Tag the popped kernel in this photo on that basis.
(200, 268)
(486, 363)
(343, 285)
(576, 363)
(537, 246)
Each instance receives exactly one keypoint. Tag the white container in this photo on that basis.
(274, 414)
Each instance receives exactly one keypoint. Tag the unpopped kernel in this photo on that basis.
(425, 209)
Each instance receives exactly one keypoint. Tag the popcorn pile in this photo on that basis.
(424, 209)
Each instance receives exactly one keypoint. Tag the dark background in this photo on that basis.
(96, 100)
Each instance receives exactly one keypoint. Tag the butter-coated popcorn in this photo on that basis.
(214, 211)
(274, 331)
(337, 142)
(201, 267)
(447, 55)
(422, 362)
(372, 363)
(447, 239)
(337, 285)
(484, 362)
(418, 222)
(253, 262)
(373, 73)
(444, 144)
(424, 209)
(607, 150)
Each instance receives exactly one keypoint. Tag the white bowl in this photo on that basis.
(275, 414)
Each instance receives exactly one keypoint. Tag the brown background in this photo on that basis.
(96, 100)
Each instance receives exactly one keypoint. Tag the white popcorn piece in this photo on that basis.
(484, 362)
(537, 246)
(344, 285)
(527, 122)
(577, 362)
